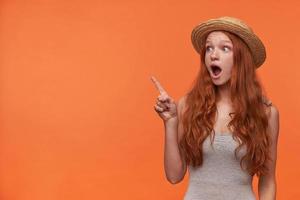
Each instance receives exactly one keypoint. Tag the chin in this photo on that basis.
(220, 82)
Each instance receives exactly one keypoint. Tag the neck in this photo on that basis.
(223, 93)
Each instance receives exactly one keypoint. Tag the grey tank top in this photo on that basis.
(221, 176)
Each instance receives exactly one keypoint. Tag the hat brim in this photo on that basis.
(255, 45)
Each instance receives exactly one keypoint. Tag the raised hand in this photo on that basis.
(165, 105)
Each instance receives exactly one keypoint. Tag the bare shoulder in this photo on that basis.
(271, 108)
(274, 112)
(274, 117)
(267, 101)
(273, 120)
(267, 105)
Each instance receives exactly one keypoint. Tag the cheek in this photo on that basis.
(229, 63)
(228, 66)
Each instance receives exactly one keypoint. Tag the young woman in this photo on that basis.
(224, 130)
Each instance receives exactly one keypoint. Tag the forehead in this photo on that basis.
(217, 36)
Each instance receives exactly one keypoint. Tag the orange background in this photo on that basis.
(77, 117)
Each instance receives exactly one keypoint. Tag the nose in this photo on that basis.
(214, 55)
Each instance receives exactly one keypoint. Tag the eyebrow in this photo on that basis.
(227, 41)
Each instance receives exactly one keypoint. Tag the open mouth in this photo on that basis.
(216, 70)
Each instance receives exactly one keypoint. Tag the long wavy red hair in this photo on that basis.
(249, 121)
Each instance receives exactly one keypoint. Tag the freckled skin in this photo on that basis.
(219, 52)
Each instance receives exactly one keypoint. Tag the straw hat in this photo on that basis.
(232, 25)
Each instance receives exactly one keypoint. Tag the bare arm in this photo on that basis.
(175, 166)
(267, 183)
(170, 113)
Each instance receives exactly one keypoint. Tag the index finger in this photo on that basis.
(158, 85)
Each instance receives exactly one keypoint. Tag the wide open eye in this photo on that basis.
(208, 48)
(226, 48)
